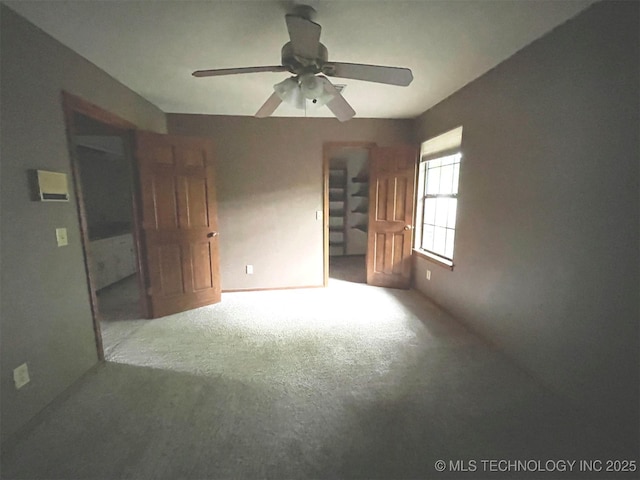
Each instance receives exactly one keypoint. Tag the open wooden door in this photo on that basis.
(179, 221)
(391, 196)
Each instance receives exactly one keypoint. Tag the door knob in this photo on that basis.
(408, 227)
(212, 234)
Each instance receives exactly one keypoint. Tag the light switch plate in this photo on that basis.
(21, 376)
(61, 237)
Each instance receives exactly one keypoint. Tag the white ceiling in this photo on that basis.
(152, 46)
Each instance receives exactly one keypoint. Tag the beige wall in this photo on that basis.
(269, 181)
(45, 316)
(547, 236)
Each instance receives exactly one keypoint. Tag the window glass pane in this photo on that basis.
(453, 206)
(427, 237)
(446, 179)
(430, 210)
(439, 240)
(448, 160)
(437, 211)
(442, 208)
(448, 250)
(456, 177)
(433, 180)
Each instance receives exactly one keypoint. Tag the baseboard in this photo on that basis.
(268, 289)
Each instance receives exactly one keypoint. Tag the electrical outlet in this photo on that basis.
(428, 275)
(21, 376)
(318, 214)
(249, 269)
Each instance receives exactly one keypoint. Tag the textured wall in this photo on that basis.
(547, 242)
(45, 315)
(269, 181)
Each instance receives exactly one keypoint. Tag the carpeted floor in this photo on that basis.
(350, 381)
(350, 268)
(120, 313)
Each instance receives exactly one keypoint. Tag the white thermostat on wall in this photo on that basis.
(51, 186)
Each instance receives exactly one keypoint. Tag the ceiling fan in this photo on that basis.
(307, 59)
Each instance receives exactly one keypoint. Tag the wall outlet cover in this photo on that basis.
(249, 269)
(21, 375)
(428, 274)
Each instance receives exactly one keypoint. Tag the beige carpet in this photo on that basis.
(350, 381)
(350, 268)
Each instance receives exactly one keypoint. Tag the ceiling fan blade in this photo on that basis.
(232, 71)
(370, 73)
(304, 35)
(269, 106)
(338, 105)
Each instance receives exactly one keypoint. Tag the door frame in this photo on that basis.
(328, 149)
(72, 105)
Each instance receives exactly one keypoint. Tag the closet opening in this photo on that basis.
(346, 210)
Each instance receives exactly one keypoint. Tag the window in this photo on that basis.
(437, 197)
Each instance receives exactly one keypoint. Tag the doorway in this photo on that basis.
(346, 202)
(104, 177)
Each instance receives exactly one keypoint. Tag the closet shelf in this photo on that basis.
(338, 207)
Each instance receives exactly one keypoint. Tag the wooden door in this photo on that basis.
(179, 221)
(391, 196)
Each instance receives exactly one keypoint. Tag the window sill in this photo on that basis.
(432, 258)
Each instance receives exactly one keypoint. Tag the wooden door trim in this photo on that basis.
(328, 148)
(71, 105)
(74, 104)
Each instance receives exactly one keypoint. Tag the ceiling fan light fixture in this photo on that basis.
(311, 86)
(324, 96)
(289, 92)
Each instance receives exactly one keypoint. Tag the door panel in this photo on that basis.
(202, 266)
(165, 211)
(179, 221)
(169, 260)
(197, 213)
(391, 191)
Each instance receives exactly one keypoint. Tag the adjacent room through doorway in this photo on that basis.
(104, 170)
(347, 170)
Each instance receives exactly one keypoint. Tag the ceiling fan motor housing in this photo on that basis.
(300, 65)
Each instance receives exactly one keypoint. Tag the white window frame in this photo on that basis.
(444, 146)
